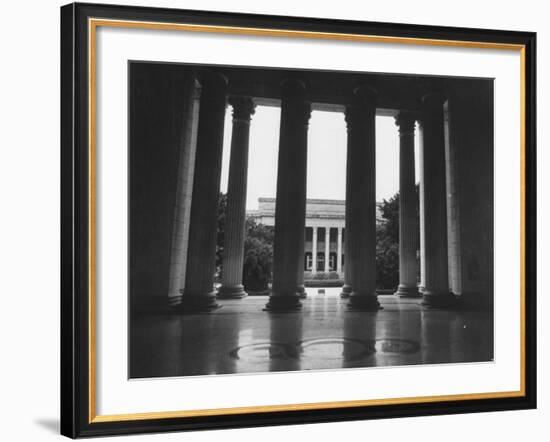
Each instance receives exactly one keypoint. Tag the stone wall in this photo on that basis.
(160, 161)
(471, 121)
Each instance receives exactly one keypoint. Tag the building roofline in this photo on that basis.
(313, 200)
(263, 214)
(309, 200)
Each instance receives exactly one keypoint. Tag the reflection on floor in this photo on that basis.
(242, 338)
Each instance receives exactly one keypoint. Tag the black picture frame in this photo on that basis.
(75, 219)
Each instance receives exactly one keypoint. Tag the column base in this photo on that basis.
(438, 300)
(346, 291)
(408, 292)
(197, 303)
(363, 302)
(283, 303)
(231, 292)
(301, 292)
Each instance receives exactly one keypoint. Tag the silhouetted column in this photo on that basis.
(314, 250)
(300, 288)
(327, 249)
(346, 288)
(199, 294)
(361, 199)
(290, 208)
(186, 167)
(421, 210)
(434, 220)
(339, 252)
(408, 235)
(233, 253)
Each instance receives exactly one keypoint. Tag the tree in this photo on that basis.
(389, 214)
(387, 242)
(258, 250)
(220, 242)
(258, 256)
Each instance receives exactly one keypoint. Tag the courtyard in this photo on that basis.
(239, 337)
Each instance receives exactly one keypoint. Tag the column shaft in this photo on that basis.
(361, 199)
(421, 210)
(436, 283)
(339, 252)
(314, 250)
(199, 294)
(180, 234)
(346, 288)
(408, 235)
(290, 208)
(300, 288)
(327, 249)
(233, 254)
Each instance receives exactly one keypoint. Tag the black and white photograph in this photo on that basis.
(274, 221)
(286, 220)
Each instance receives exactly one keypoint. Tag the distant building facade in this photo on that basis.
(325, 232)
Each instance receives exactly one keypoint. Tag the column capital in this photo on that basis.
(365, 94)
(433, 100)
(213, 90)
(213, 79)
(293, 88)
(293, 94)
(243, 108)
(361, 105)
(405, 121)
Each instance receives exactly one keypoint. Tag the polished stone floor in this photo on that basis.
(242, 338)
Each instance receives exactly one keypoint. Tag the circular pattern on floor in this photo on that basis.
(348, 349)
(401, 346)
(261, 351)
(335, 348)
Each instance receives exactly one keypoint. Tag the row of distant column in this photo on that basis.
(290, 209)
(314, 244)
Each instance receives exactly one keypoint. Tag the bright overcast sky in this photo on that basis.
(326, 156)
